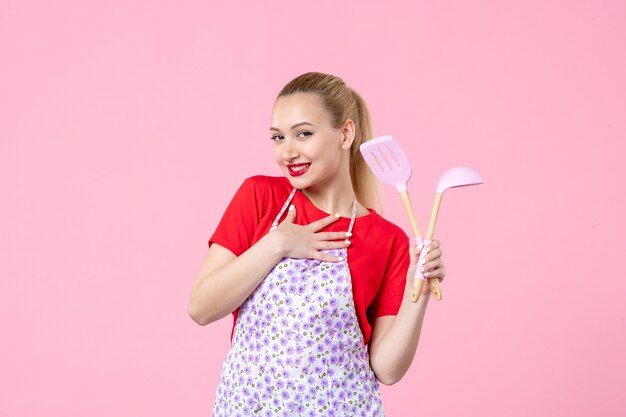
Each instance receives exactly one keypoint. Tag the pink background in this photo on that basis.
(126, 127)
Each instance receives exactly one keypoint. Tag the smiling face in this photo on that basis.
(307, 148)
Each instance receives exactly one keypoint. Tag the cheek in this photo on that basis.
(329, 156)
(316, 151)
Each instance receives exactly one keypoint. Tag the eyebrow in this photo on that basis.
(292, 127)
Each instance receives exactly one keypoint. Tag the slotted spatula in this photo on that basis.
(390, 165)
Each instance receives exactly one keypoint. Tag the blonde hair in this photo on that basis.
(343, 103)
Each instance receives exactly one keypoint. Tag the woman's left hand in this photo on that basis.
(433, 267)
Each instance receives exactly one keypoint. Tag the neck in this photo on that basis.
(334, 196)
(332, 201)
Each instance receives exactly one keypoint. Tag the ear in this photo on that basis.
(348, 130)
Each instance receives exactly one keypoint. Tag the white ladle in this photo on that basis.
(458, 176)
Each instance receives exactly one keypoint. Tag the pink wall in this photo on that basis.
(126, 127)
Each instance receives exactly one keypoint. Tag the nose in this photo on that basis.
(289, 151)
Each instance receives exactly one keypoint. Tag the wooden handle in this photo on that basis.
(434, 282)
(434, 288)
(418, 286)
(433, 217)
(409, 211)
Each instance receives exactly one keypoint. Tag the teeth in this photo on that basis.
(299, 167)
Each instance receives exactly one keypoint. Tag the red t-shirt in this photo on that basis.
(378, 257)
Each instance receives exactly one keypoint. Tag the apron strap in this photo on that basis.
(282, 210)
(353, 217)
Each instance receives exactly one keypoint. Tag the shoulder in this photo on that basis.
(396, 246)
(265, 190)
(265, 184)
(394, 233)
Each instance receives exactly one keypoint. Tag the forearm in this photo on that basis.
(222, 291)
(398, 346)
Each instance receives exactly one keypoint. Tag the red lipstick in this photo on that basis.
(295, 170)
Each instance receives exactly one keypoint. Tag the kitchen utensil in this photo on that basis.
(389, 163)
(458, 176)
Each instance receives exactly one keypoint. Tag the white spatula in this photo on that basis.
(391, 166)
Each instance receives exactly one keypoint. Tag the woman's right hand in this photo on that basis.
(304, 241)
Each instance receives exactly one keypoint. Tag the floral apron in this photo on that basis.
(297, 348)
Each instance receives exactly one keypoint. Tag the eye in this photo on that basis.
(275, 137)
(307, 133)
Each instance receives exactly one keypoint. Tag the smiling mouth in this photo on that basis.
(299, 169)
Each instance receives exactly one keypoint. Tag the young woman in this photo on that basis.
(318, 282)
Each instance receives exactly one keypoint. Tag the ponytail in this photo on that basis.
(364, 182)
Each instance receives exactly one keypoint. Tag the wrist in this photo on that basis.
(408, 293)
(275, 242)
(425, 287)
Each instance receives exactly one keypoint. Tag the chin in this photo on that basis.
(298, 182)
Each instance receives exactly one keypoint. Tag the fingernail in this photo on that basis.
(337, 215)
(348, 242)
(426, 274)
(291, 207)
(340, 258)
(428, 249)
(421, 269)
(348, 234)
(420, 246)
(423, 261)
